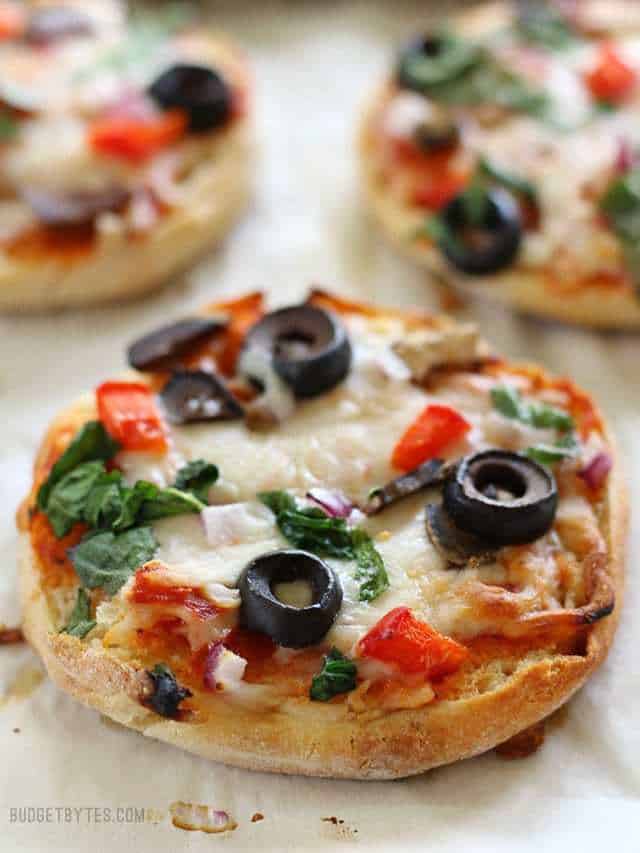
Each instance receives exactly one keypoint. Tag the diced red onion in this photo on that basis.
(143, 213)
(625, 157)
(595, 473)
(131, 104)
(211, 664)
(334, 504)
(162, 178)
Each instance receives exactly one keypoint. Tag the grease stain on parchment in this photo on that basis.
(26, 681)
(195, 817)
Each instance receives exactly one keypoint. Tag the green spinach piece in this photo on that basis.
(621, 207)
(509, 402)
(371, 571)
(539, 24)
(197, 477)
(107, 559)
(91, 443)
(338, 675)
(80, 621)
(313, 530)
(69, 498)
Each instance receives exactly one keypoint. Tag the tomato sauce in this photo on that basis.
(55, 566)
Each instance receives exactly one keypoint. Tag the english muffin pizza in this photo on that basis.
(502, 153)
(124, 149)
(326, 539)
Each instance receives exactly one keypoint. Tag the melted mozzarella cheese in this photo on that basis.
(343, 440)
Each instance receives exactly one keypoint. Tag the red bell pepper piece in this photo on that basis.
(12, 21)
(136, 139)
(129, 414)
(435, 427)
(611, 79)
(436, 192)
(412, 645)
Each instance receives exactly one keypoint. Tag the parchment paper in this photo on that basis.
(314, 63)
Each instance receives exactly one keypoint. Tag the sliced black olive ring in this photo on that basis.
(432, 60)
(193, 395)
(309, 347)
(431, 473)
(153, 351)
(501, 497)
(290, 626)
(458, 548)
(201, 92)
(485, 247)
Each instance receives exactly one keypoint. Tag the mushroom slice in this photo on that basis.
(456, 546)
(431, 473)
(77, 208)
(424, 350)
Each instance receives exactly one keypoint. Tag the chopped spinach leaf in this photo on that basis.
(103, 506)
(108, 559)
(509, 402)
(338, 675)
(167, 693)
(621, 206)
(371, 571)
(542, 25)
(69, 497)
(166, 502)
(197, 477)
(80, 621)
(548, 454)
(510, 180)
(310, 529)
(91, 443)
(313, 530)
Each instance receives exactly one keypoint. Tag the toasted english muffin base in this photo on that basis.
(318, 739)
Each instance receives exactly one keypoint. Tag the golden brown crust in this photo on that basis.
(320, 739)
(598, 305)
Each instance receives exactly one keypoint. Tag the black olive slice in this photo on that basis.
(480, 248)
(200, 91)
(309, 347)
(502, 497)
(167, 693)
(290, 626)
(153, 351)
(432, 60)
(75, 209)
(431, 473)
(456, 546)
(51, 23)
(193, 395)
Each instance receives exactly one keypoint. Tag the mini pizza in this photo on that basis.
(502, 154)
(124, 150)
(328, 539)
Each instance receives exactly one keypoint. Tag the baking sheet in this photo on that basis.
(63, 766)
